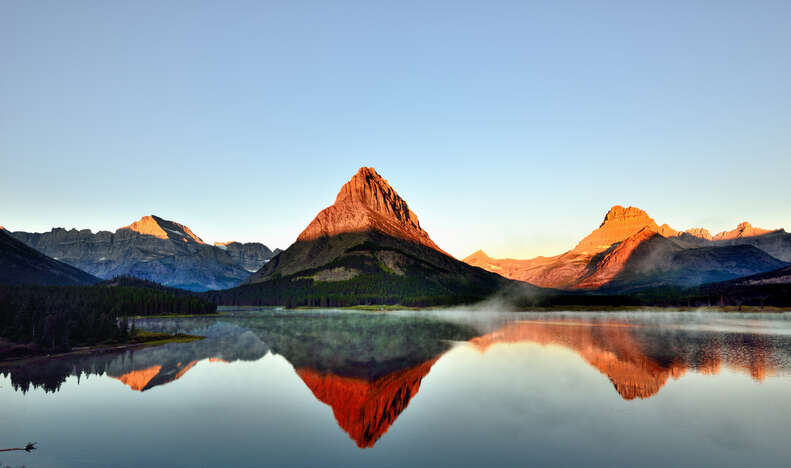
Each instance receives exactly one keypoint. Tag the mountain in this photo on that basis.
(743, 230)
(154, 249)
(776, 243)
(20, 264)
(630, 250)
(250, 255)
(368, 247)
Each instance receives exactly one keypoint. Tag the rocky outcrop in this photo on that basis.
(20, 264)
(629, 246)
(153, 249)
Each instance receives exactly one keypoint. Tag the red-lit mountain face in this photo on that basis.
(630, 250)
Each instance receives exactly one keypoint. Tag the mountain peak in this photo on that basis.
(744, 229)
(371, 190)
(224, 244)
(619, 223)
(152, 225)
(366, 203)
(618, 214)
(478, 255)
(702, 233)
(667, 231)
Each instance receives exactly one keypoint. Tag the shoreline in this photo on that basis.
(570, 308)
(149, 340)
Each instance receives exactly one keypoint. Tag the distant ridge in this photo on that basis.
(630, 250)
(153, 249)
(163, 229)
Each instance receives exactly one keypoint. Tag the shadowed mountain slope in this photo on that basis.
(20, 264)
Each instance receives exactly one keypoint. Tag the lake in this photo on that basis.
(441, 388)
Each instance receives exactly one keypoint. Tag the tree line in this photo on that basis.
(58, 318)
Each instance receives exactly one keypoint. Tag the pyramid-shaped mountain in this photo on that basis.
(629, 250)
(368, 247)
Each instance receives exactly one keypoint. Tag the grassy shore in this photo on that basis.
(15, 354)
(164, 316)
(159, 338)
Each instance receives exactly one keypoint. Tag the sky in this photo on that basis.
(507, 126)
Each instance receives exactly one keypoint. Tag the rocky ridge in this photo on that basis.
(153, 249)
(630, 246)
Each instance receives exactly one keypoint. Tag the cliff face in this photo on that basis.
(153, 249)
(20, 264)
(630, 250)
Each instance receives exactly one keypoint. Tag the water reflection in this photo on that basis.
(639, 359)
(368, 367)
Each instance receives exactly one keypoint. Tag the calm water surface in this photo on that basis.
(450, 388)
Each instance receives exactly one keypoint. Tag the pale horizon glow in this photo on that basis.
(507, 127)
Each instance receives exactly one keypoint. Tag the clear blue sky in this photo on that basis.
(508, 126)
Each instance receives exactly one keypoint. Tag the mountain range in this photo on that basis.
(368, 247)
(629, 250)
(153, 249)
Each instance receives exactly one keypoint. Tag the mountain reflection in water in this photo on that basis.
(639, 359)
(367, 367)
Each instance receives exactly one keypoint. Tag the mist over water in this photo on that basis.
(450, 387)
